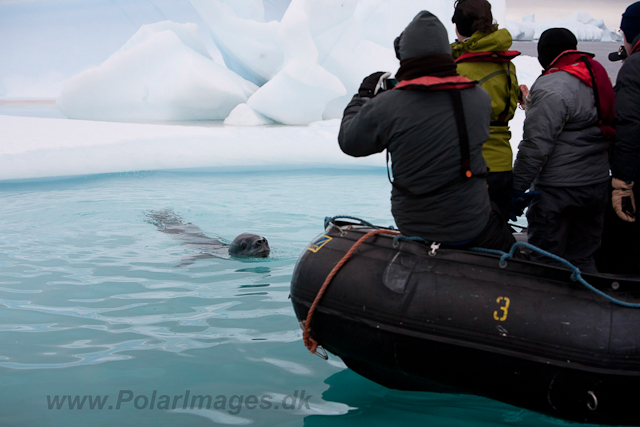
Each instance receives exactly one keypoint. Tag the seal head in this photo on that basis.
(249, 245)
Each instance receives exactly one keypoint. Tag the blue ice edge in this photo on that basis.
(249, 169)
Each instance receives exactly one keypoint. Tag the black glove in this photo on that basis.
(519, 201)
(372, 85)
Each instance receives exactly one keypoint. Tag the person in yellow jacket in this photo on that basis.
(481, 54)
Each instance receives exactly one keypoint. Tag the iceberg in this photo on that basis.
(243, 115)
(47, 42)
(268, 61)
(521, 31)
(584, 26)
(248, 45)
(299, 92)
(162, 73)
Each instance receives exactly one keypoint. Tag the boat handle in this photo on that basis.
(593, 405)
(322, 353)
(434, 247)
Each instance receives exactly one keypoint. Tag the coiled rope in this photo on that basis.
(309, 342)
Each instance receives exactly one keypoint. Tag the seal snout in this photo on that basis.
(263, 248)
(250, 245)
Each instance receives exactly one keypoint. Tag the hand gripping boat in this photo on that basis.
(412, 316)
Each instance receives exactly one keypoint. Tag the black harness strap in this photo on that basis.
(465, 152)
(463, 136)
(405, 191)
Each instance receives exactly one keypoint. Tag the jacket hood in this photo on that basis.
(635, 46)
(425, 35)
(498, 41)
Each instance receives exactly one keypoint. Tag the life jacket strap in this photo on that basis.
(461, 125)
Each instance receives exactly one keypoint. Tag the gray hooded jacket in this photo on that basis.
(562, 145)
(418, 127)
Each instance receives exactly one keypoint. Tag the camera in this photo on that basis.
(389, 84)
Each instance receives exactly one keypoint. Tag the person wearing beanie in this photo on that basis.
(564, 151)
(621, 240)
(552, 43)
(482, 54)
(433, 125)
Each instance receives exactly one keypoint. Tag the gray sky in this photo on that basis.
(609, 10)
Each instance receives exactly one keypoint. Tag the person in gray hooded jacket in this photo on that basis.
(564, 152)
(433, 124)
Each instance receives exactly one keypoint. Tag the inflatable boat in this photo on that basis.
(413, 316)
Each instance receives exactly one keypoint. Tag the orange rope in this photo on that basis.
(310, 343)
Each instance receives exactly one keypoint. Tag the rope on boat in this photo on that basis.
(329, 219)
(399, 237)
(309, 342)
(576, 276)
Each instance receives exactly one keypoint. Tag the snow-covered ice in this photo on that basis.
(38, 148)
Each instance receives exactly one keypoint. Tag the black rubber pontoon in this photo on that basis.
(411, 318)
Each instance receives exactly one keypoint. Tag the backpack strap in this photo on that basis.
(605, 126)
(502, 118)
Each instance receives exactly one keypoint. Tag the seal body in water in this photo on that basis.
(246, 245)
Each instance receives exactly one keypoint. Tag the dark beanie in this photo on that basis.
(463, 23)
(630, 24)
(553, 42)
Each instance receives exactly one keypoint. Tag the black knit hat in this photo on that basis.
(553, 42)
(463, 23)
(630, 24)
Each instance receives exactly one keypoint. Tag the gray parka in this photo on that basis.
(562, 145)
(418, 128)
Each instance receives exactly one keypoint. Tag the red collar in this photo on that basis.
(436, 83)
(568, 58)
(504, 56)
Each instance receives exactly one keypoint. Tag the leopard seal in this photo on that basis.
(246, 245)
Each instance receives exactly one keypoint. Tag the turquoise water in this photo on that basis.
(92, 303)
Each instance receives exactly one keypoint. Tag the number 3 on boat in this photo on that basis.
(504, 308)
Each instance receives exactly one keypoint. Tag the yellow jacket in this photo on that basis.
(500, 81)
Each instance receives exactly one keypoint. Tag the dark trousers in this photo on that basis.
(568, 222)
(620, 249)
(495, 235)
(500, 185)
